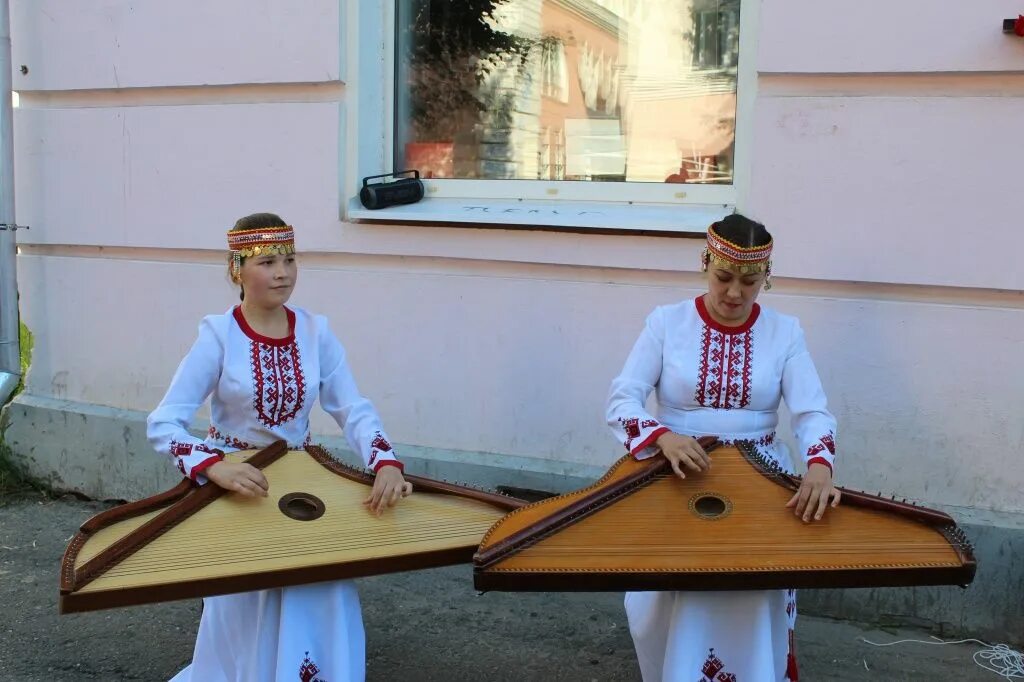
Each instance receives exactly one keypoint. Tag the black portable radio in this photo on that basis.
(399, 191)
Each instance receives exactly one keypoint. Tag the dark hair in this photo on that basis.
(257, 221)
(253, 222)
(742, 231)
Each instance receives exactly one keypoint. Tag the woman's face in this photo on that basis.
(731, 295)
(268, 280)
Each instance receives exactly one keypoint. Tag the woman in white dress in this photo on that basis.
(263, 364)
(720, 364)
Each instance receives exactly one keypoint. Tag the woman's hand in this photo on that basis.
(238, 477)
(683, 451)
(814, 493)
(389, 486)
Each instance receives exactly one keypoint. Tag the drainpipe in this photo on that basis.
(10, 358)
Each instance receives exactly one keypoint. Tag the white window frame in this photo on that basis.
(366, 145)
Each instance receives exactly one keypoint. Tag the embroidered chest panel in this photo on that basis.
(279, 387)
(723, 374)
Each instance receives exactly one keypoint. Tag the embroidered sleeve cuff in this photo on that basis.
(192, 458)
(388, 463)
(820, 460)
(640, 436)
(381, 452)
(646, 448)
(204, 465)
(822, 452)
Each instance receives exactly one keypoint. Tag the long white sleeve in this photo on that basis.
(812, 423)
(340, 398)
(626, 411)
(194, 380)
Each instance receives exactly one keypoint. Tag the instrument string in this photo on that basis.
(248, 561)
(229, 536)
(279, 527)
(166, 563)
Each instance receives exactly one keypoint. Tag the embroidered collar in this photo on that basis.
(259, 338)
(702, 310)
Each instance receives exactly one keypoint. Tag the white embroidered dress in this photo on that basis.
(713, 380)
(262, 390)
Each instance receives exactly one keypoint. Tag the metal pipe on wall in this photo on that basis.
(10, 357)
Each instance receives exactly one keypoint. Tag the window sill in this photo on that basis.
(662, 219)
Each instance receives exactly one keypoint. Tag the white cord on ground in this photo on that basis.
(997, 658)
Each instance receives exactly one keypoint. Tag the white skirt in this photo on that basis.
(713, 636)
(310, 633)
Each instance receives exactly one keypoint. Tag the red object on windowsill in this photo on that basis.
(1014, 25)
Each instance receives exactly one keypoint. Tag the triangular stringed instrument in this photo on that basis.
(195, 541)
(641, 527)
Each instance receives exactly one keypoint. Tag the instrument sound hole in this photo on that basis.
(301, 506)
(710, 506)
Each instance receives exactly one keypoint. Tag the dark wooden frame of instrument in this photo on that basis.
(186, 498)
(619, 581)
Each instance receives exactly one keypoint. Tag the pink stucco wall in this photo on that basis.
(502, 341)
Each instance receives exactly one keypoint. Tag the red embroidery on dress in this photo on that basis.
(830, 443)
(723, 375)
(791, 670)
(181, 466)
(648, 423)
(763, 441)
(748, 343)
(279, 386)
(702, 371)
(180, 449)
(380, 443)
(632, 428)
(230, 441)
(309, 670)
(827, 442)
(239, 444)
(713, 669)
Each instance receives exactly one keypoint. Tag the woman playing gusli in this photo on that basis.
(263, 364)
(720, 364)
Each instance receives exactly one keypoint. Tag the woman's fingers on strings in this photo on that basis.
(701, 456)
(836, 496)
(373, 498)
(258, 488)
(375, 502)
(257, 478)
(406, 489)
(801, 503)
(245, 487)
(821, 503)
(675, 466)
(690, 460)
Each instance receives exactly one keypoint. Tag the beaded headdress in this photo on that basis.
(263, 241)
(742, 260)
